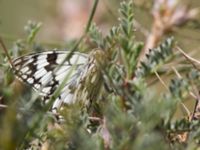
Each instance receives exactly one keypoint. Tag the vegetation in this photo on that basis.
(125, 111)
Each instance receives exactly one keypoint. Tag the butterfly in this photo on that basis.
(46, 71)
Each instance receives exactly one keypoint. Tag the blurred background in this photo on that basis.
(64, 20)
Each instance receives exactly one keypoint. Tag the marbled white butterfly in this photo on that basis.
(45, 72)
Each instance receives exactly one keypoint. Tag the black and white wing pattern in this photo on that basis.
(44, 72)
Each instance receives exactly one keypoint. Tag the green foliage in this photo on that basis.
(32, 28)
(155, 58)
(126, 112)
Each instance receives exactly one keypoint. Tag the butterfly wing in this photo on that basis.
(44, 72)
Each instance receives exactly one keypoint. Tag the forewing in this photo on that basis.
(44, 72)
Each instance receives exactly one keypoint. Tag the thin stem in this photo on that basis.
(91, 16)
(189, 58)
(87, 26)
(185, 109)
(195, 109)
(6, 52)
(176, 72)
(158, 76)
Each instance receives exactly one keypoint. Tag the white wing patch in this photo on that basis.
(43, 72)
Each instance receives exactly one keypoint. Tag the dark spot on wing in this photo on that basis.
(51, 58)
(33, 68)
(49, 67)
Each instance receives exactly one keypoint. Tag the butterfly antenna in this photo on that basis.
(6, 52)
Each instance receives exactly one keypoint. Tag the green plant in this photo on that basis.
(124, 112)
